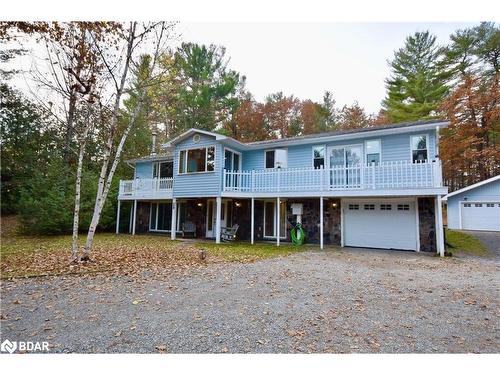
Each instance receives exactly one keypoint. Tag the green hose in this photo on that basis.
(297, 234)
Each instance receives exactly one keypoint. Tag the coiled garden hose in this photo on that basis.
(297, 234)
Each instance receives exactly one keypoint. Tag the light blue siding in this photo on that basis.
(394, 148)
(487, 192)
(144, 170)
(206, 184)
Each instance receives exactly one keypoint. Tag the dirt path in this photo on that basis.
(331, 301)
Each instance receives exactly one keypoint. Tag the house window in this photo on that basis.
(478, 205)
(160, 217)
(276, 158)
(386, 207)
(373, 152)
(354, 206)
(419, 148)
(467, 204)
(270, 218)
(162, 169)
(318, 157)
(369, 207)
(197, 160)
(403, 207)
(490, 205)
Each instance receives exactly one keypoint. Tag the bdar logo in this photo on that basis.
(8, 346)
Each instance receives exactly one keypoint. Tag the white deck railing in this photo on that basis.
(146, 186)
(389, 175)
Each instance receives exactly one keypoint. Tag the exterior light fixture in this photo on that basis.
(199, 204)
(237, 204)
(334, 205)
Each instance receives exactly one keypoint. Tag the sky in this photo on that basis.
(305, 59)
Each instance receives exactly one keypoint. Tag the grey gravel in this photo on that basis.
(349, 300)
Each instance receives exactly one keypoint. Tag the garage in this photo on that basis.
(384, 224)
(480, 216)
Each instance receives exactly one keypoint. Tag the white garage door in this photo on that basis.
(380, 224)
(481, 216)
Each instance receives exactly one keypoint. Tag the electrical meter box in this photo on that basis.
(296, 208)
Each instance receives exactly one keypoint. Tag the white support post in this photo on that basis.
(173, 225)
(439, 226)
(130, 219)
(135, 216)
(218, 201)
(341, 222)
(278, 221)
(321, 223)
(118, 217)
(252, 221)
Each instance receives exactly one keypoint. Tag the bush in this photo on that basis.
(46, 201)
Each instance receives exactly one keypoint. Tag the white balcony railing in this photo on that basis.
(389, 175)
(146, 186)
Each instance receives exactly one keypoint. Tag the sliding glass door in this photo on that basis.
(345, 166)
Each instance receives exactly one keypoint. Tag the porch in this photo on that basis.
(408, 223)
(373, 177)
(146, 188)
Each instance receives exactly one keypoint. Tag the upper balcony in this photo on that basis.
(149, 188)
(383, 178)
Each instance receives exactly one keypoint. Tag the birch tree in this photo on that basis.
(137, 39)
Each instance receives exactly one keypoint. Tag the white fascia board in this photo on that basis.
(187, 133)
(472, 186)
(424, 192)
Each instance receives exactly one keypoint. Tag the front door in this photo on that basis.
(345, 166)
(212, 215)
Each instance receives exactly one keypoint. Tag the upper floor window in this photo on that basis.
(373, 152)
(162, 169)
(276, 158)
(197, 160)
(318, 157)
(419, 150)
(231, 160)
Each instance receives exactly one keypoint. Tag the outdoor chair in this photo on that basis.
(188, 228)
(229, 233)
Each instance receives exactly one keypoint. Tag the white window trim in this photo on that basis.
(156, 218)
(427, 145)
(234, 152)
(158, 167)
(274, 219)
(206, 160)
(324, 157)
(366, 150)
(344, 147)
(274, 149)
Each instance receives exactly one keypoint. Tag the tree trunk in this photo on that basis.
(101, 191)
(76, 215)
(102, 198)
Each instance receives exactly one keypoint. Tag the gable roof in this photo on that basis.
(398, 128)
(489, 180)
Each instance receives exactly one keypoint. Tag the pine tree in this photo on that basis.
(418, 80)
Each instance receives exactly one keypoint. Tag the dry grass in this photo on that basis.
(28, 256)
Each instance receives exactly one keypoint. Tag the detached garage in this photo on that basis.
(476, 207)
(381, 223)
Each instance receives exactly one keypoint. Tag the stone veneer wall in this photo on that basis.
(427, 224)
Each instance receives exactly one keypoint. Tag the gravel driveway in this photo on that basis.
(333, 301)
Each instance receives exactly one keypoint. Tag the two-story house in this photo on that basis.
(377, 187)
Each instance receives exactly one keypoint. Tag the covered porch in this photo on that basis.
(396, 222)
